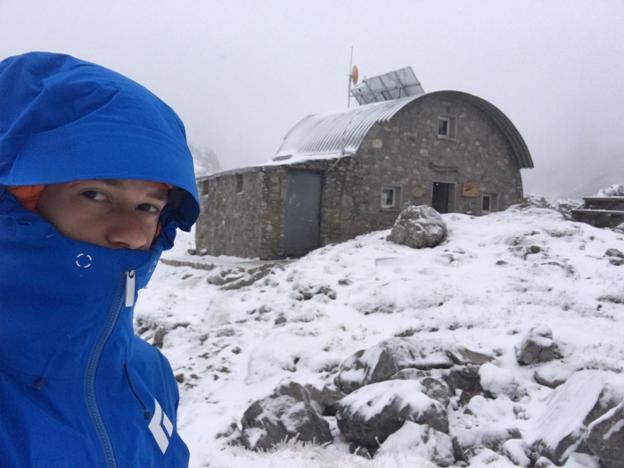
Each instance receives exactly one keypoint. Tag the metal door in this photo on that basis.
(302, 213)
(441, 197)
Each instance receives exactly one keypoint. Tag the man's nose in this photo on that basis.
(127, 231)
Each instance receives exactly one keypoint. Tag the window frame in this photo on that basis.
(451, 127)
(396, 190)
(493, 197)
(240, 183)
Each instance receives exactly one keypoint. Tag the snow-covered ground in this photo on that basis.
(493, 279)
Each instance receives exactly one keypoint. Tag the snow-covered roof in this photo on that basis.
(337, 134)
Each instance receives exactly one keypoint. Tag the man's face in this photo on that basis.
(118, 214)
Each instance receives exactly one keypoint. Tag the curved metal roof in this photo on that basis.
(336, 134)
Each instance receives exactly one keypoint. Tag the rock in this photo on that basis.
(388, 357)
(605, 438)
(543, 462)
(420, 440)
(437, 390)
(561, 428)
(286, 414)
(469, 442)
(232, 435)
(465, 379)
(537, 346)
(418, 227)
(462, 380)
(159, 337)
(615, 257)
(464, 356)
(497, 381)
(370, 414)
(515, 450)
(614, 253)
(327, 398)
(551, 375)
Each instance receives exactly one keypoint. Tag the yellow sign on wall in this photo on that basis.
(471, 189)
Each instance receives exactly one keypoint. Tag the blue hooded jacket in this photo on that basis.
(77, 387)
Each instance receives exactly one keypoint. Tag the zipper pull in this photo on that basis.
(130, 287)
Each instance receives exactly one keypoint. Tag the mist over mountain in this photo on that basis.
(205, 159)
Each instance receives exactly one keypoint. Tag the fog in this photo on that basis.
(242, 73)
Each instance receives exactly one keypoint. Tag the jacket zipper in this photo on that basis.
(94, 360)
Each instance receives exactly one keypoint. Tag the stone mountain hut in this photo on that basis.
(341, 174)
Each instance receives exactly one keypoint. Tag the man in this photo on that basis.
(95, 178)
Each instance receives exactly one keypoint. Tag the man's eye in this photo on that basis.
(148, 207)
(94, 195)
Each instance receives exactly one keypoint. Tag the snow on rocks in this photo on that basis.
(615, 256)
(537, 346)
(421, 440)
(562, 427)
(418, 227)
(370, 414)
(388, 357)
(605, 437)
(482, 288)
(288, 413)
(497, 381)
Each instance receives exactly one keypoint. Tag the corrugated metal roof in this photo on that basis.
(336, 134)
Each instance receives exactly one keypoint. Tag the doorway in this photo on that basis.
(443, 197)
(302, 214)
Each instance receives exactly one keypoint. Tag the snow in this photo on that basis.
(494, 278)
(419, 440)
(370, 400)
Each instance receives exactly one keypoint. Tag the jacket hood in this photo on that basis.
(65, 119)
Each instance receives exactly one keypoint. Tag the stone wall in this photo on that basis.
(232, 219)
(406, 152)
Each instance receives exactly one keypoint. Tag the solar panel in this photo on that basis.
(392, 85)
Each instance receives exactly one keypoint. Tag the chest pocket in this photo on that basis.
(159, 422)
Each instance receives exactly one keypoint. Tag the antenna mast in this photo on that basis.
(353, 77)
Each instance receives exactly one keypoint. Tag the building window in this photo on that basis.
(447, 127)
(488, 203)
(239, 183)
(390, 196)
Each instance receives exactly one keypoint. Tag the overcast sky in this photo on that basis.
(242, 73)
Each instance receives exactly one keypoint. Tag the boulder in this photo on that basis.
(537, 346)
(615, 257)
(515, 450)
(327, 398)
(422, 440)
(388, 357)
(459, 380)
(552, 374)
(466, 380)
(497, 381)
(468, 443)
(418, 227)
(370, 414)
(288, 413)
(605, 438)
(561, 429)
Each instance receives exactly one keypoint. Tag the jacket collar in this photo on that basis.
(57, 293)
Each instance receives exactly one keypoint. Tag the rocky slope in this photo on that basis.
(502, 346)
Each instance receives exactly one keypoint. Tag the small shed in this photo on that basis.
(340, 174)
